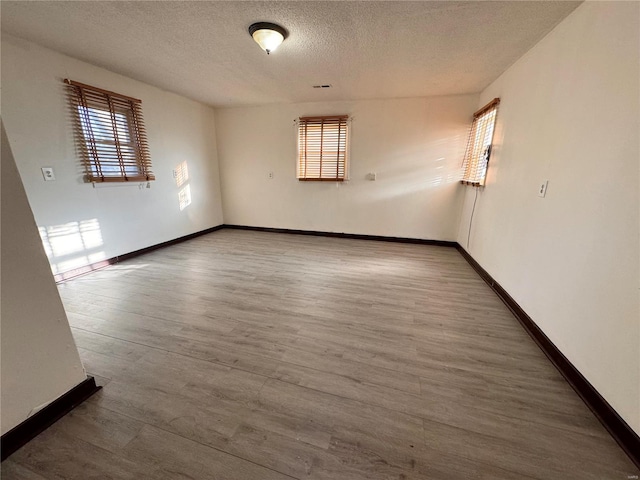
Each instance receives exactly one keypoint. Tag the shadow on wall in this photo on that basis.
(416, 171)
(72, 245)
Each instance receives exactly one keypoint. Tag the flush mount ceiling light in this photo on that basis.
(268, 35)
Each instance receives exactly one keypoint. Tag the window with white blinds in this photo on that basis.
(476, 158)
(322, 148)
(110, 134)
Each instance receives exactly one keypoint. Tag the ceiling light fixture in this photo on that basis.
(268, 35)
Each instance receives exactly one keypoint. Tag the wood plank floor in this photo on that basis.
(248, 355)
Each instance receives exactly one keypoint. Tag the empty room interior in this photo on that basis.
(320, 240)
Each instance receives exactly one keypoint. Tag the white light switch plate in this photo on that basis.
(47, 173)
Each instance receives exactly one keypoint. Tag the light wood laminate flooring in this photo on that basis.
(250, 355)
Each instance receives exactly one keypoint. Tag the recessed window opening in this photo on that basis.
(476, 159)
(322, 148)
(110, 135)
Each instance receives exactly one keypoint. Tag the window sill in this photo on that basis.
(132, 179)
(321, 179)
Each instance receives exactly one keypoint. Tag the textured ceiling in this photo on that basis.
(364, 49)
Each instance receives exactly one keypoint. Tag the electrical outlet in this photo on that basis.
(47, 173)
(542, 188)
(371, 176)
(270, 175)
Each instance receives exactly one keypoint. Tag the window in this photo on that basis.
(476, 158)
(110, 134)
(322, 148)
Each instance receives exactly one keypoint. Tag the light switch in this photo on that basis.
(47, 173)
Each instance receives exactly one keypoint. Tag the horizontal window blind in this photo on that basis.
(110, 134)
(322, 148)
(476, 157)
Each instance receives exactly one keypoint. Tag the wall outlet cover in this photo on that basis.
(47, 173)
(542, 188)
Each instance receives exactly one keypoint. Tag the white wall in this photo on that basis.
(87, 224)
(569, 113)
(40, 360)
(414, 145)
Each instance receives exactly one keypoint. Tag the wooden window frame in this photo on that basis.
(479, 145)
(110, 134)
(334, 129)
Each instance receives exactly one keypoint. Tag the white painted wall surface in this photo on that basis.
(414, 145)
(87, 224)
(570, 114)
(40, 360)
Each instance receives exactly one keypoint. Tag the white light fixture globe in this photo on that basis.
(268, 35)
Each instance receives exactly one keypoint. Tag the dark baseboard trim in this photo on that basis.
(39, 422)
(168, 243)
(616, 426)
(61, 277)
(354, 236)
(76, 272)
